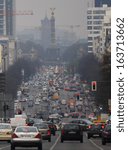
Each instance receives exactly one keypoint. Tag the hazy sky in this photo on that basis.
(67, 12)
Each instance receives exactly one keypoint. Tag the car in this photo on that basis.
(84, 123)
(26, 136)
(106, 134)
(71, 132)
(95, 130)
(52, 127)
(5, 132)
(44, 130)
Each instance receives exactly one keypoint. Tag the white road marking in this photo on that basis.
(4, 147)
(100, 148)
(55, 143)
(96, 145)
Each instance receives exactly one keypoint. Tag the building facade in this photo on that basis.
(45, 33)
(95, 18)
(7, 18)
(102, 43)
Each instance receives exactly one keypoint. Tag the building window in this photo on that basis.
(89, 27)
(90, 49)
(97, 22)
(90, 43)
(99, 12)
(89, 12)
(98, 17)
(89, 22)
(96, 32)
(1, 1)
(97, 28)
(89, 17)
(89, 38)
(1, 6)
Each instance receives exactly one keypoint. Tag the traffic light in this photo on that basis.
(94, 86)
(2, 82)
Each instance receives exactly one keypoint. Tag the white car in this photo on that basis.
(26, 136)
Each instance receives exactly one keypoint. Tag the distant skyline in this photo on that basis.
(67, 12)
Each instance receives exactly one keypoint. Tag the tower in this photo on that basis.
(53, 40)
(46, 32)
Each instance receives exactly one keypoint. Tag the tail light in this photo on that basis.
(90, 126)
(14, 135)
(38, 136)
(49, 132)
(62, 132)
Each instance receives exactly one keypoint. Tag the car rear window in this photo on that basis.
(2, 126)
(41, 126)
(26, 129)
(71, 126)
(108, 128)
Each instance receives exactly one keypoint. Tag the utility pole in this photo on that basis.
(2, 90)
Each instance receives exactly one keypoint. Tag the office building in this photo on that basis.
(95, 18)
(7, 18)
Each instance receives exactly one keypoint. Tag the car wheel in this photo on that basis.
(12, 147)
(81, 141)
(103, 141)
(88, 136)
(54, 133)
(62, 140)
(49, 140)
(40, 147)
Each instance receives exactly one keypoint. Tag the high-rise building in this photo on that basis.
(45, 32)
(7, 18)
(95, 18)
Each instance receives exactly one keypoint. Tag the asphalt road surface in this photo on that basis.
(55, 144)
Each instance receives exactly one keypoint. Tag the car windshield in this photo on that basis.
(71, 127)
(3, 126)
(88, 121)
(26, 129)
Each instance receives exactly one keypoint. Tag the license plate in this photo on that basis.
(72, 132)
(96, 135)
(26, 136)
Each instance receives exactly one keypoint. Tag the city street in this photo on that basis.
(91, 144)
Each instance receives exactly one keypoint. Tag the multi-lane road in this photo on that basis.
(55, 144)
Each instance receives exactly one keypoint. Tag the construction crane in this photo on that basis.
(13, 13)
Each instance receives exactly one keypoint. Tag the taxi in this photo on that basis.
(5, 132)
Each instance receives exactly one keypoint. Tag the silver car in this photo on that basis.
(26, 136)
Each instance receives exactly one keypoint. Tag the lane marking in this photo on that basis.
(55, 143)
(94, 143)
(4, 147)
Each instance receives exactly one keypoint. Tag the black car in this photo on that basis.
(52, 127)
(71, 132)
(95, 130)
(84, 123)
(106, 134)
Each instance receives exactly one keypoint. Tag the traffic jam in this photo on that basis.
(55, 110)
